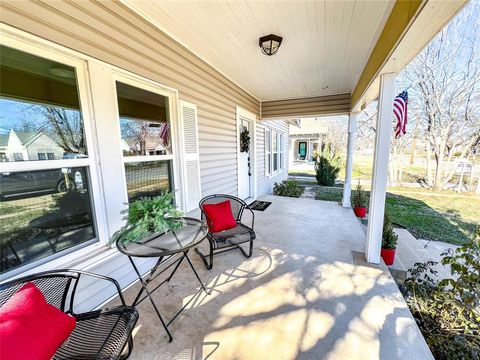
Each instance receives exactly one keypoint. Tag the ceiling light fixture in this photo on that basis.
(270, 44)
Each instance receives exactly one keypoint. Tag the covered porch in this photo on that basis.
(315, 286)
(306, 293)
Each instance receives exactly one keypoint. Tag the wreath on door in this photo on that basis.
(244, 140)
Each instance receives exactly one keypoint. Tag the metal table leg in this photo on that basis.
(144, 286)
(149, 293)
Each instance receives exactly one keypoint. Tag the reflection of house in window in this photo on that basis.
(152, 144)
(25, 145)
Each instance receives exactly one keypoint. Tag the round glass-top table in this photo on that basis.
(165, 247)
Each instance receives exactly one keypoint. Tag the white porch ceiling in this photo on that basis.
(326, 44)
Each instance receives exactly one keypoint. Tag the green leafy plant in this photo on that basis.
(389, 238)
(290, 188)
(327, 167)
(359, 199)
(448, 311)
(149, 216)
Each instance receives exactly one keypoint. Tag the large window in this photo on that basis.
(274, 152)
(45, 189)
(146, 141)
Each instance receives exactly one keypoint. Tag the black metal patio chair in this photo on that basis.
(232, 238)
(99, 334)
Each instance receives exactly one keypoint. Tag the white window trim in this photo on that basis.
(276, 135)
(280, 137)
(268, 152)
(173, 107)
(31, 44)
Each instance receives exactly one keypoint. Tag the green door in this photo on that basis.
(302, 150)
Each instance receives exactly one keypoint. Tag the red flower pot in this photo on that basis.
(388, 255)
(361, 212)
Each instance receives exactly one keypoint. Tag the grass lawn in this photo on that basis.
(362, 170)
(441, 216)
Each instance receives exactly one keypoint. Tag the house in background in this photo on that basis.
(152, 145)
(306, 137)
(24, 145)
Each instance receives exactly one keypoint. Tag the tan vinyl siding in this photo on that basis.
(111, 32)
(320, 105)
(264, 183)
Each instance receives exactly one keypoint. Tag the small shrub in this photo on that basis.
(327, 167)
(359, 199)
(389, 238)
(289, 188)
(448, 312)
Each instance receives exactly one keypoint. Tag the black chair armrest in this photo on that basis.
(61, 296)
(253, 216)
(102, 277)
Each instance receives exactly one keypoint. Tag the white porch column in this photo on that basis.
(383, 137)
(291, 152)
(347, 187)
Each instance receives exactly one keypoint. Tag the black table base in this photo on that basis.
(151, 276)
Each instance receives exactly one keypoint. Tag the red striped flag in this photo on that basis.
(165, 134)
(400, 105)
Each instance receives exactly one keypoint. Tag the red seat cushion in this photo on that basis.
(219, 216)
(30, 328)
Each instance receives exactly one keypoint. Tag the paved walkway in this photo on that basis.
(309, 192)
(306, 293)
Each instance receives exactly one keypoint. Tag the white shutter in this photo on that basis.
(191, 161)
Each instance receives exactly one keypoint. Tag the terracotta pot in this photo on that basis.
(388, 255)
(361, 212)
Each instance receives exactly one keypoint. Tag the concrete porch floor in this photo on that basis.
(304, 294)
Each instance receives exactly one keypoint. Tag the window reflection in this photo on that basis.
(40, 110)
(144, 122)
(146, 179)
(43, 212)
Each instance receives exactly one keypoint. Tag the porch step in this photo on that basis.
(411, 250)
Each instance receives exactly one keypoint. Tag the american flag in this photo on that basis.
(164, 134)
(400, 105)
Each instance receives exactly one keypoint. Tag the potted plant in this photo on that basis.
(389, 241)
(149, 216)
(359, 202)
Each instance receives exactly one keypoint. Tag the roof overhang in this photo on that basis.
(330, 48)
(410, 27)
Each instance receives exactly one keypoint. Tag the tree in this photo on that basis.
(445, 91)
(66, 127)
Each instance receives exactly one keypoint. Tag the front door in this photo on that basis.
(302, 150)
(244, 166)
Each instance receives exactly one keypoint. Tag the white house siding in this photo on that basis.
(111, 32)
(265, 183)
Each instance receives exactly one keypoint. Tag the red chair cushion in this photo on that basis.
(30, 328)
(219, 216)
